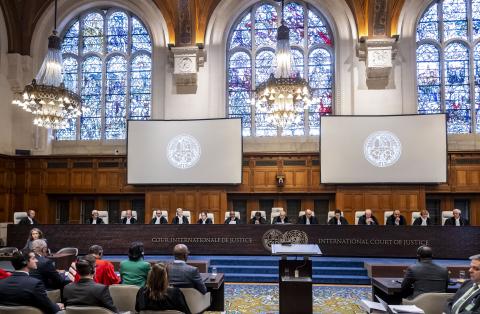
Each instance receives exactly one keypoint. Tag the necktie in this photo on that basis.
(464, 298)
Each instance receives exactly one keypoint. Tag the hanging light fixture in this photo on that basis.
(51, 104)
(285, 95)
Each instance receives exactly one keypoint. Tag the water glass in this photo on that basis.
(287, 272)
(461, 274)
(214, 271)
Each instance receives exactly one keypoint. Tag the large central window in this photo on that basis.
(107, 60)
(251, 59)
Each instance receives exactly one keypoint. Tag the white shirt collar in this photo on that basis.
(179, 261)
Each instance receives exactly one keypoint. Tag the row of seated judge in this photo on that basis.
(259, 217)
(161, 217)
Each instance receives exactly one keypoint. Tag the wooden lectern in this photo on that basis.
(295, 277)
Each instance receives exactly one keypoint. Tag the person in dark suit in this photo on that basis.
(20, 289)
(424, 276)
(423, 220)
(396, 219)
(204, 220)
(338, 219)
(467, 298)
(179, 219)
(368, 218)
(46, 270)
(258, 219)
(158, 219)
(308, 218)
(30, 219)
(457, 219)
(157, 295)
(181, 274)
(87, 292)
(232, 220)
(95, 220)
(129, 219)
(281, 219)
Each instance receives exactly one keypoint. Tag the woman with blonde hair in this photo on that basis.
(35, 234)
(157, 295)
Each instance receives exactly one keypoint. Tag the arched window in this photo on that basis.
(448, 63)
(107, 61)
(251, 59)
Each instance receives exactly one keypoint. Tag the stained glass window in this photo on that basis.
(251, 59)
(107, 61)
(448, 63)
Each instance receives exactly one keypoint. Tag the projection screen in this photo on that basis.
(184, 151)
(383, 149)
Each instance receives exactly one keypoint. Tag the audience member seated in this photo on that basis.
(87, 292)
(158, 219)
(183, 275)
(95, 220)
(129, 219)
(423, 220)
(467, 298)
(135, 270)
(308, 218)
(104, 271)
(20, 289)
(456, 220)
(204, 220)
(30, 219)
(232, 220)
(425, 276)
(4, 274)
(179, 219)
(157, 295)
(45, 270)
(368, 218)
(396, 219)
(35, 234)
(258, 219)
(281, 219)
(338, 219)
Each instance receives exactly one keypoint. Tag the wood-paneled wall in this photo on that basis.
(32, 182)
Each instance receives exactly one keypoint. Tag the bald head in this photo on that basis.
(180, 252)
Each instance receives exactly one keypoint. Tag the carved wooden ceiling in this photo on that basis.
(187, 19)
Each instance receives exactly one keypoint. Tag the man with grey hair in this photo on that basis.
(456, 219)
(182, 275)
(467, 298)
(46, 271)
(368, 218)
(95, 219)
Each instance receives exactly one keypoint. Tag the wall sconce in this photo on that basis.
(280, 180)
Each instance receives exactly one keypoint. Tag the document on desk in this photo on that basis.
(372, 307)
(406, 309)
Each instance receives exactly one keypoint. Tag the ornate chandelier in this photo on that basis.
(51, 104)
(284, 96)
